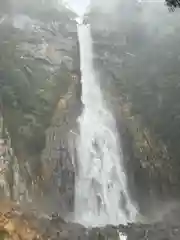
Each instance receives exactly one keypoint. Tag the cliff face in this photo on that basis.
(39, 67)
(127, 37)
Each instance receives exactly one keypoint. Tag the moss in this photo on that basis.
(4, 235)
(29, 118)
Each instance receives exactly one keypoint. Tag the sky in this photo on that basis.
(79, 6)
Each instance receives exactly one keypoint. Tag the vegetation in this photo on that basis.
(141, 54)
(173, 3)
(29, 92)
(28, 100)
(150, 80)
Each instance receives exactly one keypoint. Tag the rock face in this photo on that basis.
(123, 49)
(25, 224)
(39, 79)
(58, 158)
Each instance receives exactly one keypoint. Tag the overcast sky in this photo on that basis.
(78, 5)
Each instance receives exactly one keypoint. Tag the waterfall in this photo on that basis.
(101, 196)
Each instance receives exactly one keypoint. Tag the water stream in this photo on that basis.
(101, 185)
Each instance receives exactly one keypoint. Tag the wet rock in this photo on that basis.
(44, 56)
(26, 224)
(152, 168)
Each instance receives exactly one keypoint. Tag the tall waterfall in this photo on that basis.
(101, 185)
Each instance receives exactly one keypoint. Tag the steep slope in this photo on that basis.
(136, 56)
(39, 62)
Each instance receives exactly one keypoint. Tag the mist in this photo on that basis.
(91, 109)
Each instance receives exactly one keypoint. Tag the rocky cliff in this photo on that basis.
(39, 104)
(126, 41)
(39, 75)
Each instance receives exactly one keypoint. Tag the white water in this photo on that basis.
(101, 186)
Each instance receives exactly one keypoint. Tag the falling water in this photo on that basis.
(101, 185)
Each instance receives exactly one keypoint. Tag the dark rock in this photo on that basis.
(38, 73)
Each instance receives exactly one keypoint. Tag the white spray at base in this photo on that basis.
(101, 196)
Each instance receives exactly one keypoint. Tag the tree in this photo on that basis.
(173, 3)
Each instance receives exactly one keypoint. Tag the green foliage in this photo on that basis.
(4, 235)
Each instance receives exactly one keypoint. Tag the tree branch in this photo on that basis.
(173, 3)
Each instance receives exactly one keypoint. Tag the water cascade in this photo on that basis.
(101, 185)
